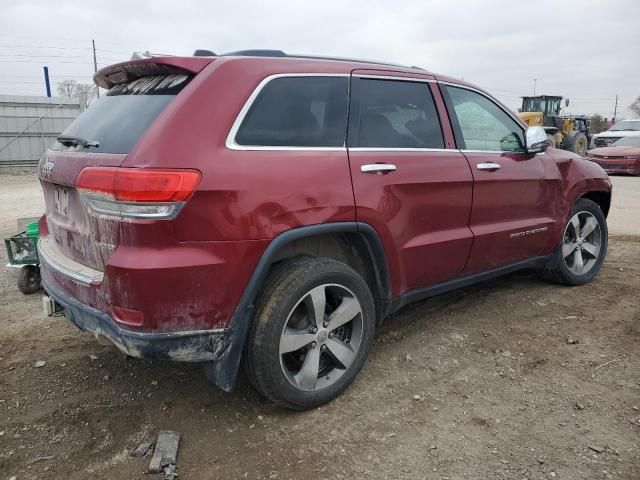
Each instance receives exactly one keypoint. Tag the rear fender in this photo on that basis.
(224, 369)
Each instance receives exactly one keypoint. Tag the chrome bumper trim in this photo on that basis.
(51, 255)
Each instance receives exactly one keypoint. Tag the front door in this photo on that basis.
(515, 194)
(413, 190)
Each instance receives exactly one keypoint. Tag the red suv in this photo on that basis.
(274, 209)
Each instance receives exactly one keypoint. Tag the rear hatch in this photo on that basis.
(102, 136)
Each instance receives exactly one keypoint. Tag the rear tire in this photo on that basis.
(583, 247)
(314, 324)
(29, 279)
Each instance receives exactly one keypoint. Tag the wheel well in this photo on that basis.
(603, 199)
(350, 248)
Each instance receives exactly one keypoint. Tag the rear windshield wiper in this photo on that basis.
(71, 141)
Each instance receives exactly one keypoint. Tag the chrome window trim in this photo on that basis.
(231, 137)
(511, 152)
(391, 149)
(497, 104)
(390, 77)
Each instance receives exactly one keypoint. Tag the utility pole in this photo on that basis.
(535, 80)
(615, 111)
(95, 64)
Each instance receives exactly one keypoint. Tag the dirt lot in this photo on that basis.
(516, 379)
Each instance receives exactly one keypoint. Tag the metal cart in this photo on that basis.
(22, 251)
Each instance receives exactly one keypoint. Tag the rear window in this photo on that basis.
(118, 119)
(393, 114)
(297, 112)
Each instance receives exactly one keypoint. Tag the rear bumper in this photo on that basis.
(50, 253)
(189, 346)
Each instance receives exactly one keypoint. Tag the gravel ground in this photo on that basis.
(510, 379)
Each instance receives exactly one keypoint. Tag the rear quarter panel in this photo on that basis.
(243, 194)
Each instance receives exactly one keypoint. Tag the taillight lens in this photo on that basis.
(136, 193)
(127, 316)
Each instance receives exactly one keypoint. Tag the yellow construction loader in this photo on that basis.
(567, 133)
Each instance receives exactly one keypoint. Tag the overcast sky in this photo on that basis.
(586, 50)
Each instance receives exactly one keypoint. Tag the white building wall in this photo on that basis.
(42, 120)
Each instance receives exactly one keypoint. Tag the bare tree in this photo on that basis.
(84, 92)
(635, 107)
(67, 88)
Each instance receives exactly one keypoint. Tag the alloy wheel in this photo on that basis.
(582, 243)
(321, 337)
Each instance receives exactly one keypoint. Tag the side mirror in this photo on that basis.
(566, 102)
(536, 140)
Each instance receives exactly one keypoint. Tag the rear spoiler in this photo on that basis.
(126, 72)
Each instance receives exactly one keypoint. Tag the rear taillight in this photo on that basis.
(136, 193)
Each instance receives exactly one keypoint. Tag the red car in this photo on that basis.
(274, 209)
(622, 156)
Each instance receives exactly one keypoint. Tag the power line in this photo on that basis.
(81, 75)
(105, 60)
(44, 47)
(112, 51)
(41, 61)
(22, 55)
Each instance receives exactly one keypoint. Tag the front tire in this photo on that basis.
(583, 247)
(312, 332)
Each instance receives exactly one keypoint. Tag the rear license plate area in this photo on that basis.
(61, 201)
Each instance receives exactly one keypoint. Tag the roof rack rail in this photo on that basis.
(281, 54)
(203, 53)
(255, 53)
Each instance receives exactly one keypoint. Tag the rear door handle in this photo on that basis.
(490, 166)
(383, 168)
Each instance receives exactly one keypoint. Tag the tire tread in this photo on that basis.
(286, 277)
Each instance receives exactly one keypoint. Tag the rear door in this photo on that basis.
(414, 190)
(515, 195)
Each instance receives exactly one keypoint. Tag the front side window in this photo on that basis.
(297, 112)
(480, 124)
(393, 114)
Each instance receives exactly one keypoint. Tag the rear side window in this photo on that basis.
(393, 114)
(118, 119)
(297, 112)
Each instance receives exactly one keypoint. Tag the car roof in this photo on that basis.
(281, 54)
(276, 59)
